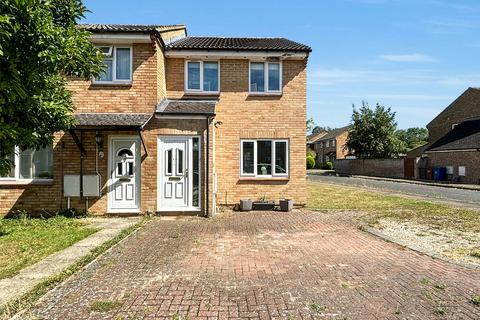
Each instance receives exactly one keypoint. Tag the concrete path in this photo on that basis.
(26, 279)
(469, 198)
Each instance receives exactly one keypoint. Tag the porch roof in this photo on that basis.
(113, 121)
(186, 107)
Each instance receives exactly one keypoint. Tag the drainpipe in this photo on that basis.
(81, 166)
(214, 170)
(207, 180)
(96, 167)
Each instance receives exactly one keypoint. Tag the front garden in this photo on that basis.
(25, 241)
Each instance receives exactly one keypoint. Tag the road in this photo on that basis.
(465, 197)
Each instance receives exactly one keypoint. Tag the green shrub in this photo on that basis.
(310, 162)
(72, 213)
(327, 165)
(311, 153)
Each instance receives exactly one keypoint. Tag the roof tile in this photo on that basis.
(128, 27)
(200, 107)
(254, 44)
(116, 120)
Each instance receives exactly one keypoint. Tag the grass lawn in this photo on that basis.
(378, 205)
(24, 241)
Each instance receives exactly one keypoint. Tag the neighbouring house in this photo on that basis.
(466, 106)
(454, 141)
(176, 123)
(458, 152)
(313, 138)
(331, 146)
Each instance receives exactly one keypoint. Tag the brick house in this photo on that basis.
(175, 124)
(313, 138)
(331, 146)
(454, 139)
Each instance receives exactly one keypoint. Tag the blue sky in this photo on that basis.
(415, 56)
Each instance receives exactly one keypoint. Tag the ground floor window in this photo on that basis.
(31, 164)
(264, 158)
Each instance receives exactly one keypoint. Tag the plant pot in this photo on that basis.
(263, 205)
(286, 205)
(246, 205)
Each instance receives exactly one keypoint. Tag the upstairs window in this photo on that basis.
(30, 164)
(265, 77)
(118, 62)
(202, 76)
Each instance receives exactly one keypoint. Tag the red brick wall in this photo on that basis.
(469, 159)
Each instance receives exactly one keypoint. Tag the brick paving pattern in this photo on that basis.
(299, 265)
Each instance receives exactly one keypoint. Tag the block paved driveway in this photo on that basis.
(264, 265)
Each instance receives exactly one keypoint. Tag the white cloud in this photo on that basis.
(414, 57)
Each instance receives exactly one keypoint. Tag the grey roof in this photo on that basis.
(187, 107)
(248, 44)
(111, 120)
(465, 136)
(334, 133)
(128, 27)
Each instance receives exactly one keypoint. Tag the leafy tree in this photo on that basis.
(40, 47)
(372, 134)
(318, 129)
(412, 138)
(310, 124)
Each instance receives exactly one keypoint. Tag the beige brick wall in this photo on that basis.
(140, 96)
(241, 116)
(254, 117)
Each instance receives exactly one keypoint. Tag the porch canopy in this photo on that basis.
(111, 121)
(108, 121)
(192, 108)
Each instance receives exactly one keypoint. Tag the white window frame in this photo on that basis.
(333, 142)
(255, 164)
(327, 144)
(265, 75)
(16, 176)
(201, 90)
(114, 66)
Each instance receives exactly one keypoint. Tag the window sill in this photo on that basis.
(112, 84)
(265, 94)
(264, 179)
(202, 93)
(25, 182)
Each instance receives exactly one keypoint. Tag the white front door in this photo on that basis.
(178, 173)
(124, 168)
